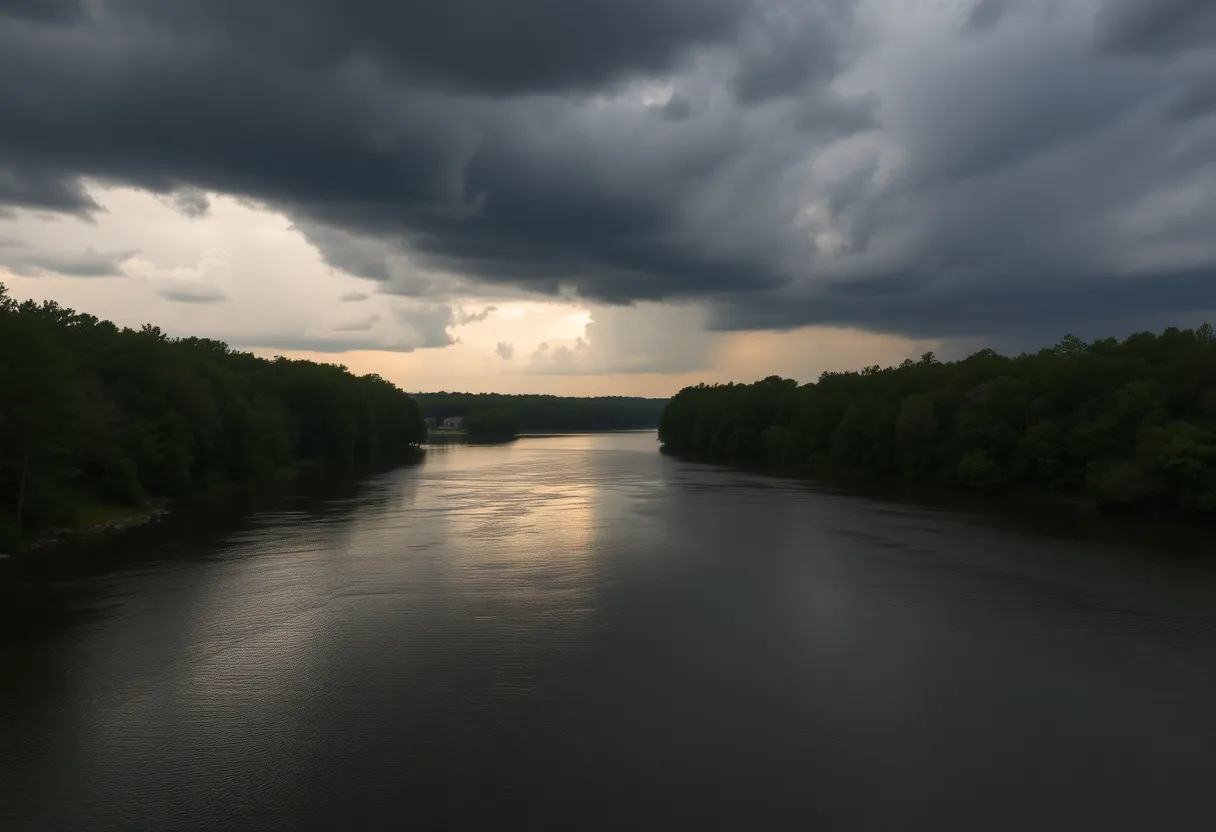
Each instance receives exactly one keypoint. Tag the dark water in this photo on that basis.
(578, 632)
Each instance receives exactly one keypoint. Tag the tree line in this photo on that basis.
(1125, 424)
(545, 414)
(492, 425)
(91, 413)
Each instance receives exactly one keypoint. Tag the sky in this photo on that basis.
(612, 198)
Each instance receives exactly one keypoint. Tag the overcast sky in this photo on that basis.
(624, 197)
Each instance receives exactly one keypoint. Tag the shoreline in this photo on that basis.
(154, 510)
(1044, 513)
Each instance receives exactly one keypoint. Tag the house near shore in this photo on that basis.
(453, 422)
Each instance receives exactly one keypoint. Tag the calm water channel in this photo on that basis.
(577, 632)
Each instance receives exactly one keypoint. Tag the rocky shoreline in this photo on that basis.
(155, 510)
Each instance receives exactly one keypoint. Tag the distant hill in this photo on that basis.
(542, 414)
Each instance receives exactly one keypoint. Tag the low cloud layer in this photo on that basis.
(188, 291)
(88, 262)
(998, 169)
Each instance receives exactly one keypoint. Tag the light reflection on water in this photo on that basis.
(577, 631)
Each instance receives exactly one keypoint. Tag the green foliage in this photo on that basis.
(543, 414)
(1128, 424)
(90, 413)
(494, 425)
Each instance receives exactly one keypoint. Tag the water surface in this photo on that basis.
(577, 631)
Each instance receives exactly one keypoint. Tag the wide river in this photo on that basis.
(578, 632)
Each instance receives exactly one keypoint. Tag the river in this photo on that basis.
(578, 632)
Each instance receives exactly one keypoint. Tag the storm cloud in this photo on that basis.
(981, 168)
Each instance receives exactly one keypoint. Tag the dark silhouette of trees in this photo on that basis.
(91, 413)
(493, 425)
(544, 414)
(1122, 424)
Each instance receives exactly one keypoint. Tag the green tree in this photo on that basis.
(93, 413)
(1128, 424)
(494, 425)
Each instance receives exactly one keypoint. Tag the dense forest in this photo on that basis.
(544, 414)
(1119, 424)
(95, 416)
(493, 425)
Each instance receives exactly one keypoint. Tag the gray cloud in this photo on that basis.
(1155, 27)
(87, 263)
(398, 146)
(191, 291)
(787, 51)
(810, 164)
(986, 13)
(463, 318)
(28, 186)
(428, 323)
(505, 351)
(354, 297)
(190, 202)
(500, 49)
(677, 108)
(363, 324)
(44, 11)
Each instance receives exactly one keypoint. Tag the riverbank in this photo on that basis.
(97, 519)
(1057, 515)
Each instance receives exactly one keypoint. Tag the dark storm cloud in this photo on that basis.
(46, 11)
(501, 48)
(336, 114)
(795, 174)
(1018, 312)
(1195, 100)
(986, 13)
(793, 52)
(677, 108)
(30, 187)
(1155, 27)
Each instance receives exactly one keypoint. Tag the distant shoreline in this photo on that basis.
(556, 433)
(443, 435)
